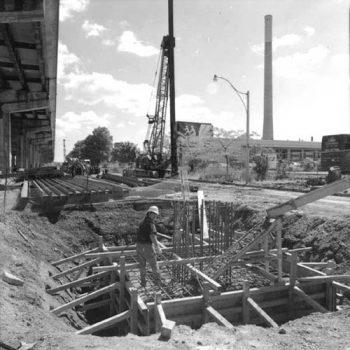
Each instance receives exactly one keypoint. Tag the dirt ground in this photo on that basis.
(30, 240)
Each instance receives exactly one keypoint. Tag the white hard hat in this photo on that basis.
(153, 209)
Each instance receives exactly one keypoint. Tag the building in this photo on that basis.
(294, 151)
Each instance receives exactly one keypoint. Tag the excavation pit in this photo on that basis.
(260, 283)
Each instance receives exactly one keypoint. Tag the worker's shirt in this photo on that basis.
(146, 228)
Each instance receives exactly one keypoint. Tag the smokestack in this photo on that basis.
(268, 107)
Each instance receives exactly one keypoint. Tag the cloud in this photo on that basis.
(67, 61)
(92, 29)
(283, 41)
(68, 7)
(310, 31)
(129, 43)
(98, 88)
(193, 108)
(286, 40)
(80, 124)
(300, 63)
(108, 42)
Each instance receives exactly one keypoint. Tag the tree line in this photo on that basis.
(99, 148)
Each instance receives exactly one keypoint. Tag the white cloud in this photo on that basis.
(80, 124)
(108, 42)
(68, 7)
(286, 40)
(92, 29)
(300, 63)
(129, 43)
(257, 49)
(283, 41)
(193, 108)
(95, 88)
(212, 88)
(67, 61)
(310, 31)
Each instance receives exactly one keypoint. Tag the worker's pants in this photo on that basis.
(146, 253)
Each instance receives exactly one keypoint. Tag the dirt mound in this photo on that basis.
(29, 241)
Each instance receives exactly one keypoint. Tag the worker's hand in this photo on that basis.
(158, 250)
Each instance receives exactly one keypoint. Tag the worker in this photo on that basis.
(147, 245)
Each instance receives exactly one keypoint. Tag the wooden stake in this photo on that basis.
(292, 278)
(206, 301)
(133, 310)
(122, 284)
(245, 305)
(266, 253)
(279, 251)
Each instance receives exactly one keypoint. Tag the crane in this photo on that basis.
(153, 162)
(153, 158)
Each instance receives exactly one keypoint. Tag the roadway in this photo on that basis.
(331, 206)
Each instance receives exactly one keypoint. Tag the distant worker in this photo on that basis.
(147, 245)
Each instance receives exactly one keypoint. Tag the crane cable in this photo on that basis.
(154, 80)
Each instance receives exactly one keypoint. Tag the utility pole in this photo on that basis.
(64, 150)
(173, 131)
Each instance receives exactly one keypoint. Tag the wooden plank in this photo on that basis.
(215, 285)
(202, 215)
(73, 257)
(132, 266)
(94, 305)
(262, 313)
(87, 297)
(25, 190)
(309, 300)
(42, 193)
(105, 323)
(314, 264)
(339, 278)
(263, 272)
(48, 190)
(76, 268)
(310, 197)
(77, 282)
(21, 16)
(341, 286)
(219, 319)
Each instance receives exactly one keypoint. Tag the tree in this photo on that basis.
(77, 151)
(97, 147)
(124, 152)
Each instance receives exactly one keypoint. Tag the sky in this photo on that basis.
(109, 50)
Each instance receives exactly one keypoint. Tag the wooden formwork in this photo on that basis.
(295, 289)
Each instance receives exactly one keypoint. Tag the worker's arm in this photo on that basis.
(155, 243)
(153, 237)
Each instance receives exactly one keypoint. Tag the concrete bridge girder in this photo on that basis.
(28, 33)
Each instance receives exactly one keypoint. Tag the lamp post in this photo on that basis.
(246, 107)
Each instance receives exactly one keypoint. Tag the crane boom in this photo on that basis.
(154, 143)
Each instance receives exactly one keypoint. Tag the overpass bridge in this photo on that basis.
(28, 80)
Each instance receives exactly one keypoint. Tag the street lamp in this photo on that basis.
(246, 107)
